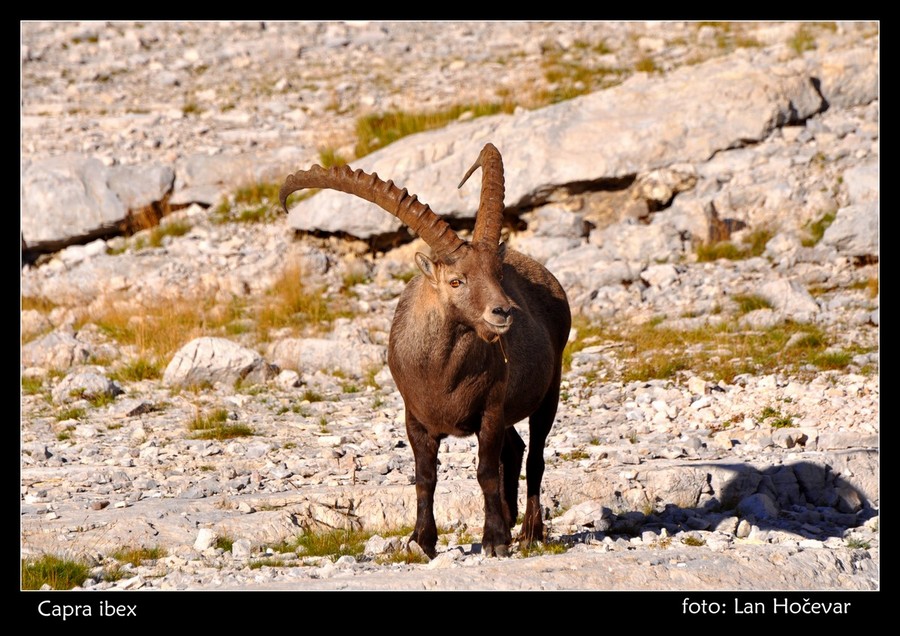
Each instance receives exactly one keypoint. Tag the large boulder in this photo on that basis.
(854, 231)
(72, 198)
(56, 350)
(216, 360)
(645, 123)
(309, 355)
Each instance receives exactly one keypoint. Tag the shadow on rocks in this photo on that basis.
(807, 499)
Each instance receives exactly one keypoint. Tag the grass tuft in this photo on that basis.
(775, 418)
(802, 41)
(753, 245)
(215, 425)
(329, 157)
(70, 413)
(332, 543)
(816, 229)
(137, 370)
(377, 131)
(59, 574)
(541, 548)
(32, 385)
(751, 302)
(693, 541)
(136, 556)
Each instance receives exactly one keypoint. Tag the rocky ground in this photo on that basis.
(212, 388)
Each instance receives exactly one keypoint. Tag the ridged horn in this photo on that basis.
(489, 220)
(418, 216)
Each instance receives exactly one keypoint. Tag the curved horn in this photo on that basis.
(416, 215)
(489, 219)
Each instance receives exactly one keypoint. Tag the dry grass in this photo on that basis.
(38, 304)
(570, 78)
(290, 304)
(136, 556)
(753, 245)
(716, 352)
(158, 330)
(802, 41)
(376, 131)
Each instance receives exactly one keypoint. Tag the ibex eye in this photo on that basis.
(455, 283)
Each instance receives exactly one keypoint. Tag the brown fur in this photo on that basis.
(476, 346)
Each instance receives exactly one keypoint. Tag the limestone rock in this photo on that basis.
(216, 360)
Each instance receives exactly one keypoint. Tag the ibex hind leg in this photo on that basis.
(539, 424)
(510, 469)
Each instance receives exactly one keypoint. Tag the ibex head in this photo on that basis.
(465, 277)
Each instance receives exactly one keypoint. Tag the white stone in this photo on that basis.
(206, 538)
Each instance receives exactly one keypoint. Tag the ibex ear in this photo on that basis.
(427, 266)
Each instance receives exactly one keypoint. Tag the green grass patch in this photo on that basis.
(136, 556)
(215, 425)
(136, 370)
(724, 249)
(857, 544)
(32, 385)
(172, 228)
(329, 158)
(70, 413)
(541, 548)
(224, 543)
(751, 302)
(571, 79)
(369, 379)
(716, 352)
(377, 131)
(831, 360)
(312, 396)
(693, 542)
(753, 245)
(575, 455)
(99, 400)
(272, 563)
(256, 203)
(803, 40)
(59, 574)
(775, 418)
(586, 334)
(657, 365)
(816, 229)
(332, 544)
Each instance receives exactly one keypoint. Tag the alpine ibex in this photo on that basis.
(475, 346)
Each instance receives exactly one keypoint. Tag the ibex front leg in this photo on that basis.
(495, 541)
(425, 450)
